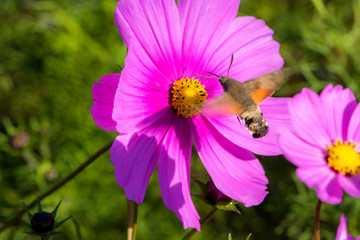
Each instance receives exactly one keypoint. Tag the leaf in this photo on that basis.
(26, 224)
(229, 236)
(232, 206)
(55, 210)
(202, 197)
(77, 227)
(202, 185)
(58, 224)
(248, 237)
(33, 233)
(27, 211)
(39, 206)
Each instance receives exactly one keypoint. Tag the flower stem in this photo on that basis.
(132, 219)
(317, 220)
(15, 219)
(202, 223)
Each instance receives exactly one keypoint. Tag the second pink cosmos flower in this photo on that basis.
(157, 102)
(323, 141)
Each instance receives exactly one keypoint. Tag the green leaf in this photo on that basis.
(58, 224)
(248, 237)
(55, 210)
(202, 197)
(77, 227)
(202, 185)
(33, 233)
(39, 206)
(229, 236)
(26, 224)
(232, 206)
(27, 211)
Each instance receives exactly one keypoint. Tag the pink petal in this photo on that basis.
(354, 127)
(143, 93)
(135, 157)
(155, 24)
(324, 181)
(234, 170)
(255, 52)
(203, 24)
(342, 233)
(299, 152)
(103, 94)
(275, 112)
(308, 118)
(174, 173)
(351, 185)
(338, 104)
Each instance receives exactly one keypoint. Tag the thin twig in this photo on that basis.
(317, 220)
(202, 223)
(14, 220)
(132, 219)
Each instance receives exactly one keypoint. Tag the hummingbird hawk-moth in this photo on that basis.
(243, 98)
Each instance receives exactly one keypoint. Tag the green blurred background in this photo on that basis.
(51, 53)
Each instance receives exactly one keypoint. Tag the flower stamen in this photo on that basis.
(188, 97)
(343, 158)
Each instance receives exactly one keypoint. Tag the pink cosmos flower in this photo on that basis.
(323, 141)
(157, 103)
(342, 233)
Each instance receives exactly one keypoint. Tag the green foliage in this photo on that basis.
(249, 236)
(51, 54)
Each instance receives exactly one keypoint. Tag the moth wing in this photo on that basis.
(265, 86)
(224, 105)
(259, 95)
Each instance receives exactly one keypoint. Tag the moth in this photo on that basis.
(243, 98)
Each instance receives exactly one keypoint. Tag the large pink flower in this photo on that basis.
(158, 108)
(323, 141)
(342, 233)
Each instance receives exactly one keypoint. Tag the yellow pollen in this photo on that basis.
(188, 97)
(343, 158)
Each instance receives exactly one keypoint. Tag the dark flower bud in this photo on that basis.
(42, 222)
(214, 195)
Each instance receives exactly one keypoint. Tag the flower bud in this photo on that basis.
(214, 195)
(20, 140)
(42, 222)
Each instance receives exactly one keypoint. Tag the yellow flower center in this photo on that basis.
(188, 97)
(343, 158)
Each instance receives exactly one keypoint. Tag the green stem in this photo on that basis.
(15, 219)
(202, 223)
(132, 219)
(317, 220)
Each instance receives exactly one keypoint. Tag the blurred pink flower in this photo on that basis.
(157, 103)
(342, 233)
(323, 141)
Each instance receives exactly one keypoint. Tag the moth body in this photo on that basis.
(244, 106)
(243, 98)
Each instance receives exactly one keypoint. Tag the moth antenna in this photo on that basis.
(120, 67)
(232, 59)
(217, 76)
(214, 74)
